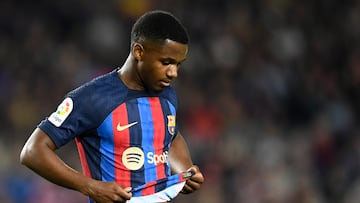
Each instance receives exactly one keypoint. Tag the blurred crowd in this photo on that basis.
(269, 95)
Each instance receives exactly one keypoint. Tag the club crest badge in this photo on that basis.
(171, 124)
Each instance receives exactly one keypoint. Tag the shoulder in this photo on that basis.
(108, 83)
(99, 96)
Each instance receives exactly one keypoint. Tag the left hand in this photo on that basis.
(194, 183)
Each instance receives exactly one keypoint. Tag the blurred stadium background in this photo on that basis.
(269, 95)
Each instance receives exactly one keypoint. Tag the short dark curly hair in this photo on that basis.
(158, 26)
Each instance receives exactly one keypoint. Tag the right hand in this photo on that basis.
(107, 192)
(39, 155)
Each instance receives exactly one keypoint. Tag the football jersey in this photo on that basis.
(122, 135)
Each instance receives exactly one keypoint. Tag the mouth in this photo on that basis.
(165, 83)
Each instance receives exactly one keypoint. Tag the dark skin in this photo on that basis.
(150, 66)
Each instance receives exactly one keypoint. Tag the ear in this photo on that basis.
(137, 51)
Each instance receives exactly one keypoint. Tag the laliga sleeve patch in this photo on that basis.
(62, 112)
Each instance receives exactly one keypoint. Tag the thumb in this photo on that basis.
(128, 189)
(194, 169)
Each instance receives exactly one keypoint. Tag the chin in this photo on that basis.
(159, 89)
(155, 89)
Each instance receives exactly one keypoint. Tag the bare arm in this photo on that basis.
(39, 155)
(180, 160)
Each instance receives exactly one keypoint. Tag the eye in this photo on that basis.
(165, 63)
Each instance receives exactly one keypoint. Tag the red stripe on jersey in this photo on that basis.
(149, 189)
(121, 143)
(84, 163)
(159, 133)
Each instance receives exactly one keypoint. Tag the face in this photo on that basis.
(158, 63)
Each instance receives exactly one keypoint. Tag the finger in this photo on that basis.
(190, 187)
(193, 184)
(195, 181)
(123, 194)
(197, 175)
(186, 189)
(122, 201)
(121, 198)
(194, 169)
(128, 189)
(126, 194)
(197, 178)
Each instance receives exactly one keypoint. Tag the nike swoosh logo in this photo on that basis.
(123, 127)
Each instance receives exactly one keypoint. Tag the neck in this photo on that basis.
(129, 75)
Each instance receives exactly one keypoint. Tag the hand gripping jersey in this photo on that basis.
(122, 135)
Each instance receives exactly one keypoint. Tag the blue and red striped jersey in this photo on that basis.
(122, 135)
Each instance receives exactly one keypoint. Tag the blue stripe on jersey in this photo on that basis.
(147, 136)
(137, 178)
(107, 149)
(172, 108)
(174, 179)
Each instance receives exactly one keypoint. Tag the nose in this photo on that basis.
(172, 71)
